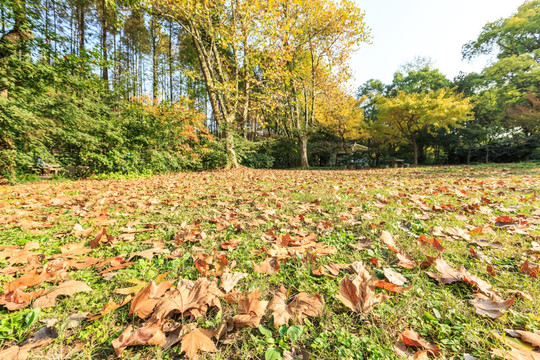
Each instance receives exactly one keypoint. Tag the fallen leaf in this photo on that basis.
(447, 275)
(530, 269)
(145, 301)
(405, 260)
(67, 288)
(394, 277)
(101, 238)
(108, 308)
(391, 287)
(411, 338)
(250, 310)
(268, 266)
(42, 337)
(387, 239)
(488, 307)
(229, 281)
(149, 334)
(302, 305)
(198, 340)
(358, 294)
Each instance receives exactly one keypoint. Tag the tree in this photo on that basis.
(315, 39)
(410, 115)
(341, 116)
(515, 76)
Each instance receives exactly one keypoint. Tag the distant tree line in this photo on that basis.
(124, 85)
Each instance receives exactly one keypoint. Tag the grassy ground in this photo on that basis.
(340, 207)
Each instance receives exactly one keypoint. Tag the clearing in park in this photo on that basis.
(430, 262)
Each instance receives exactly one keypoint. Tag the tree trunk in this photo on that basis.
(232, 161)
(104, 25)
(82, 29)
(469, 156)
(487, 154)
(171, 97)
(303, 140)
(415, 151)
(154, 59)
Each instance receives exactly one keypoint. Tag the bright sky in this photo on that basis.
(403, 29)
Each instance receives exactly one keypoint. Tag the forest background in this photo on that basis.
(107, 86)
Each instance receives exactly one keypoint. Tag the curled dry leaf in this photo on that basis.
(388, 240)
(268, 266)
(108, 308)
(145, 301)
(394, 277)
(18, 299)
(149, 334)
(29, 279)
(101, 238)
(488, 307)
(332, 269)
(250, 310)
(42, 337)
(231, 244)
(229, 281)
(447, 275)
(405, 260)
(302, 305)
(359, 294)
(530, 269)
(198, 340)
(67, 288)
(411, 338)
(149, 254)
(519, 350)
(210, 265)
(391, 287)
(188, 299)
(436, 243)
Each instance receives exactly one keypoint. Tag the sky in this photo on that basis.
(404, 29)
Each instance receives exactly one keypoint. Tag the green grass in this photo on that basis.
(441, 314)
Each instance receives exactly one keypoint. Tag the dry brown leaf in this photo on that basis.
(530, 337)
(149, 334)
(145, 301)
(388, 240)
(269, 266)
(359, 294)
(231, 244)
(447, 275)
(530, 269)
(405, 260)
(229, 281)
(391, 287)
(250, 310)
(394, 277)
(188, 298)
(74, 249)
(108, 308)
(210, 265)
(101, 238)
(411, 338)
(436, 243)
(67, 288)
(302, 305)
(149, 254)
(29, 279)
(488, 307)
(518, 350)
(18, 299)
(42, 337)
(198, 340)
